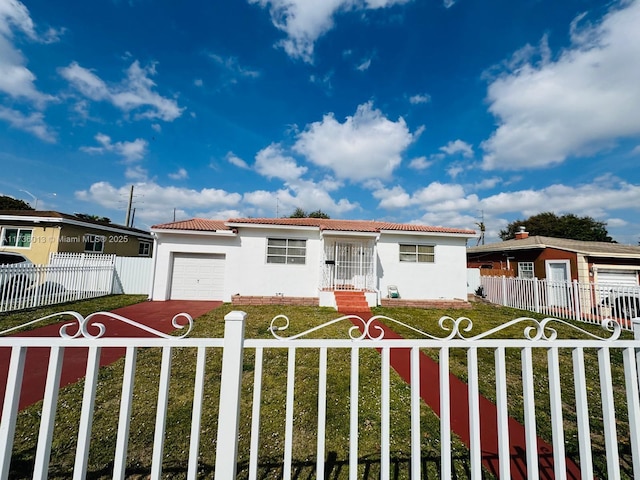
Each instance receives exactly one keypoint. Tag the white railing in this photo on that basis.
(594, 413)
(586, 302)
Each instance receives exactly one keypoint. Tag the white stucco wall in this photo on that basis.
(252, 275)
(246, 269)
(446, 278)
(248, 273)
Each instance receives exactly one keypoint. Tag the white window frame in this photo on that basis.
(286, 249)
(526, 270)
(93, 239)
(19, 234)
(416, 256)
(145, 247)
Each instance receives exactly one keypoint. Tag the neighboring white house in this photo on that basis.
(307, 257)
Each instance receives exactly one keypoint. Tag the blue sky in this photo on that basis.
(424, 111)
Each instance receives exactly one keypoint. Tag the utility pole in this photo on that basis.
(482, 229)
(129, 206)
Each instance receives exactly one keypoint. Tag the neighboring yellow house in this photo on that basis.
(37, 234)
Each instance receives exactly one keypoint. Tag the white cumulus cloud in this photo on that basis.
(272, 162)
(180, 174)
(33, 123)
(134, 94)
(233, 159)
(578, 104)
(366, 145)
(16, 80)
(304, 21)
(419, 98)
(130, 151)
(155, 203)
(458, 146)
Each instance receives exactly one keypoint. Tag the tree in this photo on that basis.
(300, 213)
(568, 226)
(95, 218)
(10, 203)
(318, 214)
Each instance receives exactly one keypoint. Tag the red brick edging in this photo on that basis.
(275, 300)
(401, 302)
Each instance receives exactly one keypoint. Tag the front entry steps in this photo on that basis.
(351, 302)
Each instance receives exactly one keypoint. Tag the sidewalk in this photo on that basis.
(157, 315)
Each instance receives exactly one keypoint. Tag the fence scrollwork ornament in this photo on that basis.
(89, 327)
(281, 322)
(455, 328)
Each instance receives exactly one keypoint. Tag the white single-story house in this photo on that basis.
(310, 258)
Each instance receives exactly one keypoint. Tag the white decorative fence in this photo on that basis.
(594, 422)
(131, 275)
(71, 277)
(26, 285)
(586, 302)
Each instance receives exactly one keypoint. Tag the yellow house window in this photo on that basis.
(16, 237)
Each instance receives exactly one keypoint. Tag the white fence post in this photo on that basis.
(230, 382)
(504, 291)
(577, 314)
(635, 324)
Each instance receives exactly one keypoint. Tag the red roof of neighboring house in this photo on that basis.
(201, 224)
(50, 215)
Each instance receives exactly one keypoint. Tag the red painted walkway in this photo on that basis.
(400, 359)
(157, 315)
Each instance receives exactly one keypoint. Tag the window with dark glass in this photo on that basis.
(286, 250)
(93, 243)
(16, 237)
(417, 253)
(144, 249)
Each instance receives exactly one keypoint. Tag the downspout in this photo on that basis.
(153, 269)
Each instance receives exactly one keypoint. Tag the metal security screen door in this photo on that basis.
(352, 265)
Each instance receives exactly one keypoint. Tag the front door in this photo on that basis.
(558, 281)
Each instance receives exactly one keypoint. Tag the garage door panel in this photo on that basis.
(197, 276)
(618, 278)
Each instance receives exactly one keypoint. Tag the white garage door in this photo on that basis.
(617, 278)
(197, 276)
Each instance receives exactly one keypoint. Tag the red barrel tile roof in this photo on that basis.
(200, 224)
